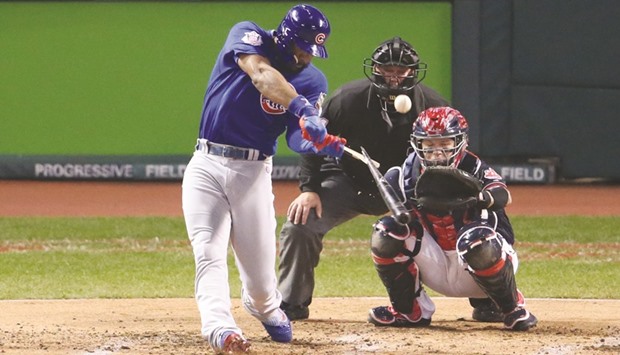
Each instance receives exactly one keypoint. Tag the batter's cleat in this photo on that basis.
(520, 319)
(295, 312)
(281, 331)
(487, 312)
(388, 317)
(233, 343)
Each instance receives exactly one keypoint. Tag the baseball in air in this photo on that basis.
(402, 103)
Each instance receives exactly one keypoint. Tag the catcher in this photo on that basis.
(459, 241)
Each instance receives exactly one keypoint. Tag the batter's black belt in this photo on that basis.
(229, 151)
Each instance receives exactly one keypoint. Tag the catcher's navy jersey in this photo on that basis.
(234, 111)
(470, 164)
(444, 228)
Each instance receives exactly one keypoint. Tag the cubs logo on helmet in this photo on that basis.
(306, 27)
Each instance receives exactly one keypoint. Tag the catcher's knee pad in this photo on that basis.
(479, 246)
(388, 236)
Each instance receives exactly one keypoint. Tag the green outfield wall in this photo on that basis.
(81, 80)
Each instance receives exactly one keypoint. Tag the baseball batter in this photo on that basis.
(459, 253)
(262, 85)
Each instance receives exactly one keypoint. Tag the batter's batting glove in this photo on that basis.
(332, 146)
(312, 128)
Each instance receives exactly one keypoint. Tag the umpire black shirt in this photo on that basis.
(354, 113)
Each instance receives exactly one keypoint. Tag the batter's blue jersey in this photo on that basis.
(234, 111)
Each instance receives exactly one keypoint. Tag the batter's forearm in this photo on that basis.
(267, 80)
(274, 86)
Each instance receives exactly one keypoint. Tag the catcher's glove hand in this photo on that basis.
(443, 189)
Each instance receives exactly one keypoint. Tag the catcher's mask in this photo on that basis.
(306, 27)
(394, 69)
(440, 137)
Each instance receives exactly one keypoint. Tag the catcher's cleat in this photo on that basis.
(388, 317)
(520, 319)
(233, 343)
(296, 312)
(487, 311)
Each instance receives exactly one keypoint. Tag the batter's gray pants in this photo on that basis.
(301, 245)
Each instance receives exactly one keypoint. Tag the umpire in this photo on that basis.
(334, 192)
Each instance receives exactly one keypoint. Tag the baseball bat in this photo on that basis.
(360, 157)
(395, 205)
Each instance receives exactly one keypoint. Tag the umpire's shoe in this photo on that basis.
(388, 317)
(295, 312)
(520, 319)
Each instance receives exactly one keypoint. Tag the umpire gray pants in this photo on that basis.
(301, 245)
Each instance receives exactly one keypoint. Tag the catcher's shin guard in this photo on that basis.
(501, 287)
(402, 283)
(481, 248)
(390, 244)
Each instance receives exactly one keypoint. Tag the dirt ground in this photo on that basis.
(336, 325)
(63, 198)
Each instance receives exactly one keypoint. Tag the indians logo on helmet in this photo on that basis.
(320, 38)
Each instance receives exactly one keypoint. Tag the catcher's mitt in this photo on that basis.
(443, 189)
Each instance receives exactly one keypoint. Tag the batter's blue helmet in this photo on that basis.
(306, 27)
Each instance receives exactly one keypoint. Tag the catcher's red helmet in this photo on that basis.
(440, 123)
